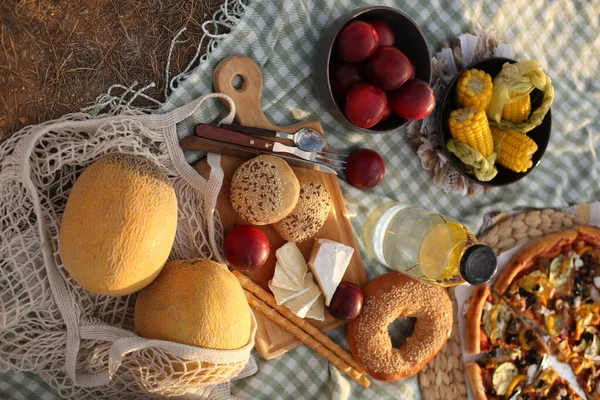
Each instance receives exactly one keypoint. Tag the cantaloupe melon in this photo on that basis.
(119, 225)
(195, 302)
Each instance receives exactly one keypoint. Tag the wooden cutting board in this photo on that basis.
(271, 340)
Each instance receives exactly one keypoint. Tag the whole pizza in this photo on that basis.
(546, 301)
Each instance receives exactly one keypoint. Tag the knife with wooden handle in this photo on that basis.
(225, 135)
(218, 147)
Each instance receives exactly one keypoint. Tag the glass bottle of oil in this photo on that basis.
(427, 246)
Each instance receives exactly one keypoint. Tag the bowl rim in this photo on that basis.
(353, 15)
(440, 123)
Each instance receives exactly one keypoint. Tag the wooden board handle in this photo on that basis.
(225, 135)
(247, 97)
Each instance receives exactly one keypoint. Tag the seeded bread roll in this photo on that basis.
(308, 216)
(264, 190)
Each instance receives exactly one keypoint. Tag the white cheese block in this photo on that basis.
(317, 310)
(292, 261)
(301, 304)
(282, 280)
(328, 263)
(283, 295)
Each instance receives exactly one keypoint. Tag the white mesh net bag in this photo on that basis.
(80, 343)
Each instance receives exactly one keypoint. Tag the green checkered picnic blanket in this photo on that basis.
(281, 35)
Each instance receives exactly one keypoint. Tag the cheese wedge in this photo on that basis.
(282, 280)
(283, 295)
(292, 262)
(301, 304)
(328, 263)
(317, 310)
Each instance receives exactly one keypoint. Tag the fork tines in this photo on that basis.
(335, 160)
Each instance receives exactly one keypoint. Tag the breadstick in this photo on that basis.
(268, 298)
(305, 338)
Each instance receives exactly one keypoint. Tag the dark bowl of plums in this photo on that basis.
(372, 70)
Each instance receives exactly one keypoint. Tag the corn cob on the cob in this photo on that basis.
(474, 89)
(470, 126)
(517, 111)
(514, 149)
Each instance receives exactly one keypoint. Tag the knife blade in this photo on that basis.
(214, 146)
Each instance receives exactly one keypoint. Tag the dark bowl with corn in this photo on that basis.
(463, 119)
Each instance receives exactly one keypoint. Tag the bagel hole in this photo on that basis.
(400, 330)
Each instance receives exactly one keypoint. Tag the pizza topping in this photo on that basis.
(546, 379)
(560, 270)
(503, 376)
(531, 371)
(513, 384)
(554, 324)
(592, 344)
(495, 321)
(580, 346)
(580, 364)
(514, 326)
(527, 338)
(586, 315)
(593, 349)
(537, 283)
(583, 250)
(594, 294)
(577, 262)
(487, 306)
(545, 311)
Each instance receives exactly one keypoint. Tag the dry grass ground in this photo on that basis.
(56, 56)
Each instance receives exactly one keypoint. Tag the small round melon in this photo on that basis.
(119, 225)
(195, 302)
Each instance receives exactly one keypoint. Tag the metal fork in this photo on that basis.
(326, 157)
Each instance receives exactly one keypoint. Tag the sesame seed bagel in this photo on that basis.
(386, 298)
(308, 216)
(264, 190)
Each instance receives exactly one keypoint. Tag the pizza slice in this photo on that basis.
(500, 376)
(538, 283)
(588, 375)
(491, 323)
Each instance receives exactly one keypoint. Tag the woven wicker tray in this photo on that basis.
(443, 377)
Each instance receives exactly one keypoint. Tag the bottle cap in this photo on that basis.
(478, 264)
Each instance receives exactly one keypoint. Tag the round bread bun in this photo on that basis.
(308, 216)
(395, 295)
(185, 304)
(264, 190)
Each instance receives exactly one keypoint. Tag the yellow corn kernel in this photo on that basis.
(514, 149)
(518, 111)
(474, 89)
(470, 126)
